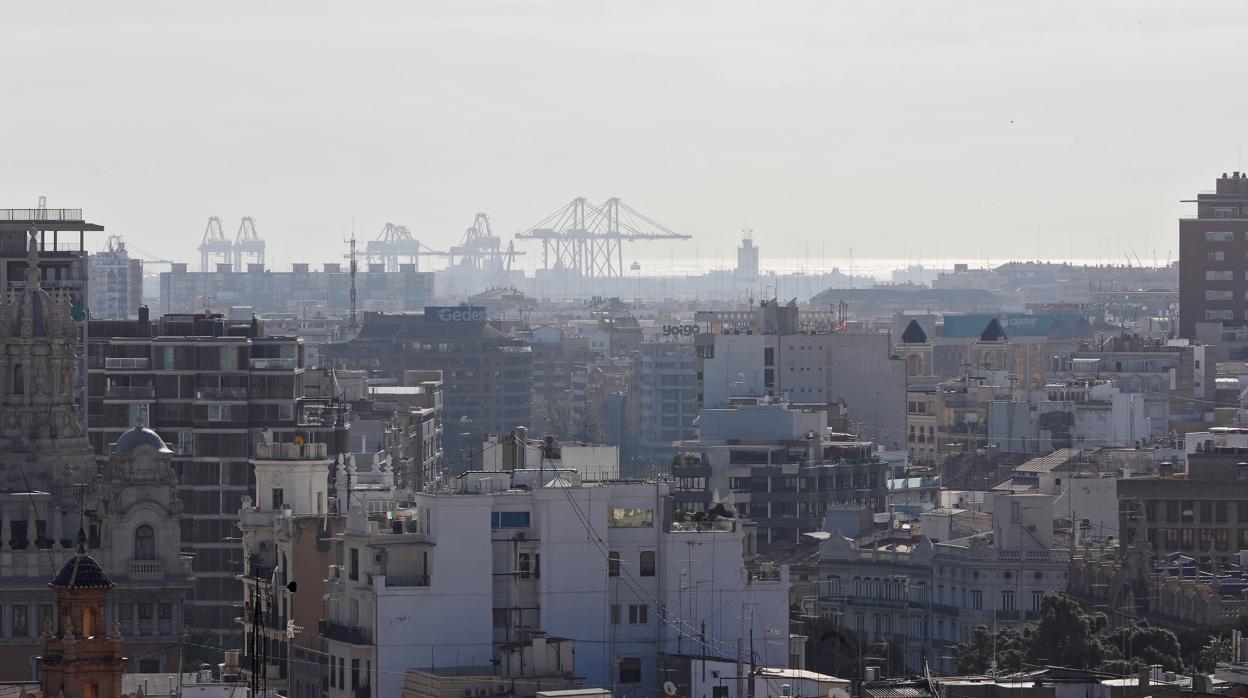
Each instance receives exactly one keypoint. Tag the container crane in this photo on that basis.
(214, 243)
(248, 243)
(588, 239)
(397, 241)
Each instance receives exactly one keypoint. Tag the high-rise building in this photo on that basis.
(115, 282)
(666, 382)
(1213, 257)
(486, 373)
(211, 389)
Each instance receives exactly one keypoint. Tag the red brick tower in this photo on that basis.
(81, 657)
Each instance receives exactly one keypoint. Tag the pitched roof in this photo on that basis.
(914, 334)
(1057, 460)
(993, 332)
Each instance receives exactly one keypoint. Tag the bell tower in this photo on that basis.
(82, 658)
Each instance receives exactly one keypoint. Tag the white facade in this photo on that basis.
(858, 369)
(592, 462)
(455, 576)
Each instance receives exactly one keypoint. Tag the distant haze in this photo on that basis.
(969, 130)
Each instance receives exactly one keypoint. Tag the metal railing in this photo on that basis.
(126, 363)
(130, 392)
(221, 394)
(273, 364)
(342, 632)
(40, 214)
(407, 580)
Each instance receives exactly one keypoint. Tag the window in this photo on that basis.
(630, 670)
(279, 498)
(1219, 295)
(1037, 600)
(615, 614)
(355, 673)
(164, 610)
(145, 611)
(355, 563)
(834, 585)
(19, 380)
(125, 612)
(186, 443)
(1212, 275)
(638, 614)
(219, 413)
(144, 543)
(509, 519)
(1218, 256)
(21, 621)
(977, 599)
(1007, 600)
(613, 564)
(525, 565)
(1219, 314)
(647, 563)
(620, 517)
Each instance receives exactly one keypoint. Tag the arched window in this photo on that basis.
(144, 543)
(19, 380)
(88, 622)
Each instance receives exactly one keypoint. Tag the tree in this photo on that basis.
(984, 653)
(1066, 635)
(1217, 650)
(200, 647)
(1130, 647)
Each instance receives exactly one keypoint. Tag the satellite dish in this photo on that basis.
(670, 688)
(837, 692)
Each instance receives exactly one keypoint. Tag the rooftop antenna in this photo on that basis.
(352, 318)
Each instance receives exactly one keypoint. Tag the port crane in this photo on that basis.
(589, 239)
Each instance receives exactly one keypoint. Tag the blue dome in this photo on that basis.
(128, 442)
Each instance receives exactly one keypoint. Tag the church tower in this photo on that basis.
(81, 658)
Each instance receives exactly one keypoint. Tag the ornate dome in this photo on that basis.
(138, 436)
(82, 572)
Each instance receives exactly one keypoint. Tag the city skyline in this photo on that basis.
(792, 121)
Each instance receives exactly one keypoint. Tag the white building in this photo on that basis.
(929, 596)
(509, 554)
(515, 451)
(776, 357)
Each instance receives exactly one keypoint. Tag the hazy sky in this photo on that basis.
(968, 129)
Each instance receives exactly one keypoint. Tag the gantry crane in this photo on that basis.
(481, 249)
(394, 242)
(587, 238)
(248, 242)
(214, 243)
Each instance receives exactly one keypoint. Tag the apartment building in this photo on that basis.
(779, 465)
(1202, 513)
(269, 291)
(1213, 257)
(486, 373)
(114, 282)
(927, 596)
(451, 578)
(209, 388)
(666, 383)
(775, 351)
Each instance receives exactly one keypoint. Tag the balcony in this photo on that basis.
(406, 580)
(147, 569)
(130, 392)
(221, 394)
(1008, 614)
(273, 364)
(126, 363)
(342, 632)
